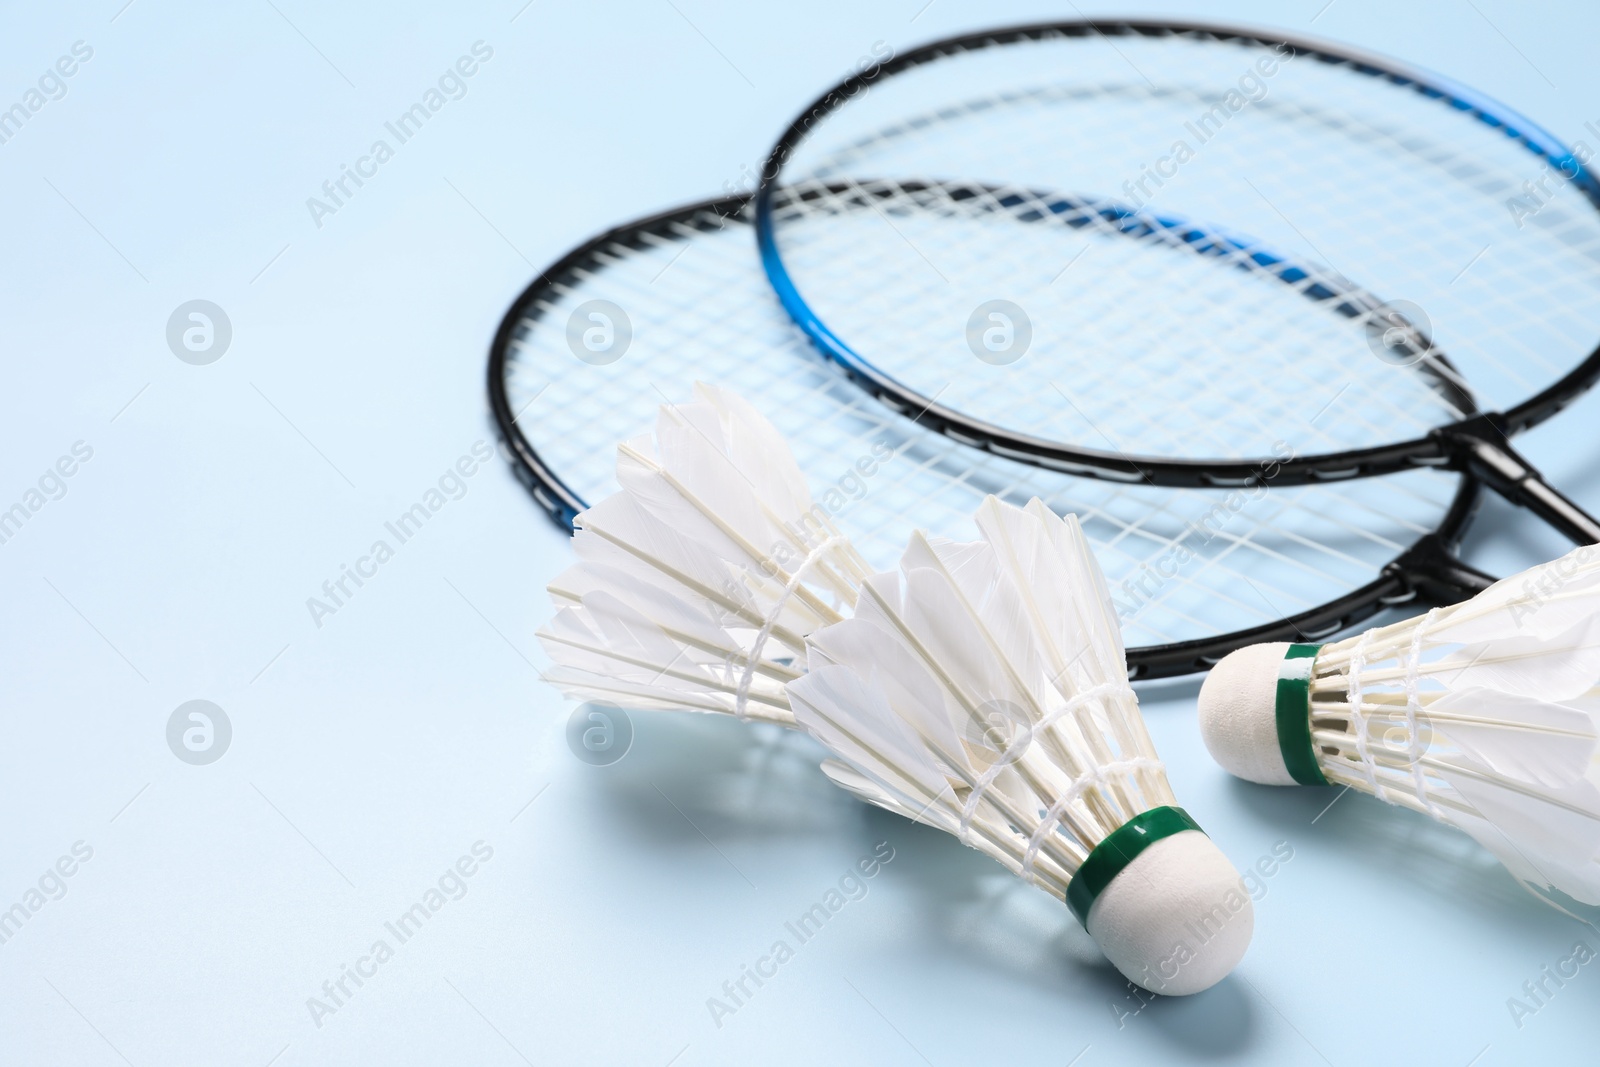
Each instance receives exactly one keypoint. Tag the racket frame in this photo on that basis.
(1427, 570)
(1478, 445)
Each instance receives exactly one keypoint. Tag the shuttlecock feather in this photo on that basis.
(698, 581)
(981, 689)
(1481, 715)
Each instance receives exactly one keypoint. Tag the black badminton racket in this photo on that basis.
(629, 320)
(1156, 252)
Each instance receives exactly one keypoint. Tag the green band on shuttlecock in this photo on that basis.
(1294, 715)
(1118, 850)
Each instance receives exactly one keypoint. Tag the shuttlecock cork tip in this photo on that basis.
(1177, 919)
(1239, 716)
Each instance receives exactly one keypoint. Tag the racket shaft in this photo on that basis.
(1517, 480)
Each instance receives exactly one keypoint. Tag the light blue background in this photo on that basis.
(372, 752)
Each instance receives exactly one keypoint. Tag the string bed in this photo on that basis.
(1182, 564)
(1483, 248)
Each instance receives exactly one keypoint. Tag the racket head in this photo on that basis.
(1314, 165)
(1195, 573)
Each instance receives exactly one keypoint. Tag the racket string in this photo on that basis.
(710, 317)
(911, 338)
(1412, 197)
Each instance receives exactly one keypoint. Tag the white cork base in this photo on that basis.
(1176, 920)
(1239, 714)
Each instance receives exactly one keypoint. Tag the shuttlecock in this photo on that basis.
(982, 689)
(698, 581)
(1481, 715)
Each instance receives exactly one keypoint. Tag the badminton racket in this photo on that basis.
(629, 320)
(1153, 252)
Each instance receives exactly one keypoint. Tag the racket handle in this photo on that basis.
(1483, 446)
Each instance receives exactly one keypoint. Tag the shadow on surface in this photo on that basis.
(999, 925)
(690, 778)
(1443, 864)
(688, 775)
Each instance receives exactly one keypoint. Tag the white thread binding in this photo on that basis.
(742, 695)
(1413, 706)
(1358, 664)
(1014, 751)
(1098, 777)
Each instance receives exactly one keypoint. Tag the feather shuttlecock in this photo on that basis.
(698, 581)
(982, 690)
(1481, 715)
